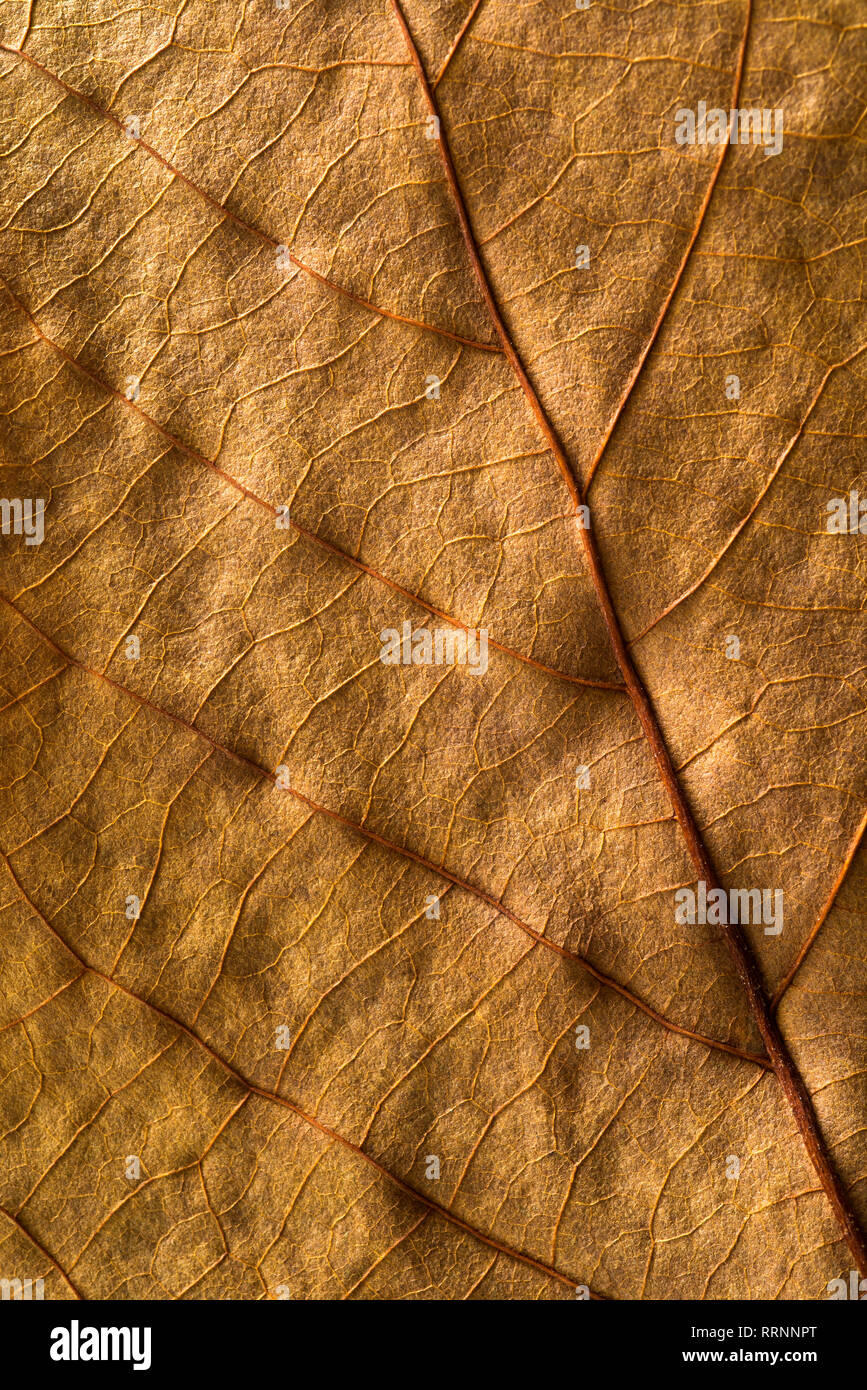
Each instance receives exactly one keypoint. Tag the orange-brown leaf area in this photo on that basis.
(326, 977)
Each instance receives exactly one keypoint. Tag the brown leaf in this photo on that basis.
(327, 977)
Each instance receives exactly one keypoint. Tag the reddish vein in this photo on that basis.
(747, 518)
(394, 847)
(344, 555)
(458, 39)
(277, 1099)
(636, 371)
(826, 908)
(741, 953)
(41, 1248)
(239, 221)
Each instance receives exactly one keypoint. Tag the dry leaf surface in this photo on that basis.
(283, 924)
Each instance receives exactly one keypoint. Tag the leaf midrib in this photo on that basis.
(642, 703)
(744, 961)
(608, 981)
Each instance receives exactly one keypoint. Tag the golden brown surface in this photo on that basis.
(153, 261)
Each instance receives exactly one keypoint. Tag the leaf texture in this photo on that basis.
(378, 904)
